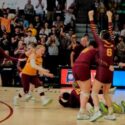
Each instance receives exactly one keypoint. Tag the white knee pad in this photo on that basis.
(84, 94)
(94, 94)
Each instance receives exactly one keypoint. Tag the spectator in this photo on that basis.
(51, 6)
(53, 44)
(47, 29)
(121, 49)
(37, 23)
(4, 42)
(29, 11)
(29, 38)
(53, 53)
(5, 22)
(20, 49)
(64, 48)
(123, 31)
(69, 19)
(58, 23)
(33, 30)
(7, 71)
(62, 4)
(40, 9)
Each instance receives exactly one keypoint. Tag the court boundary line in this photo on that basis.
(10, 111)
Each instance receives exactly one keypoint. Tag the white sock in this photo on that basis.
(96, 108)
(110, 110)
(43, 97)
(82, 110)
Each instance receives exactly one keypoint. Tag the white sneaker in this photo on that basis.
(90, 109)
(27, 97)
(110, 117)
(33, 99)
(45, 101)
(15, 101)
(82, 116)
(95, 116)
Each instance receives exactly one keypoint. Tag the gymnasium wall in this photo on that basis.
(13, 4)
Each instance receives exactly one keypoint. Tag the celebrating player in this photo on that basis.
(81, 72)
(29, 74)
(105, 67)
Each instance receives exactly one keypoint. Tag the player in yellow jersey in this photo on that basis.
(30, 72)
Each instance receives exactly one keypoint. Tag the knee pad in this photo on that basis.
(94, 94)
(84, 94)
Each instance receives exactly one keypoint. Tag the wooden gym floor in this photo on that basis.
(32, 113)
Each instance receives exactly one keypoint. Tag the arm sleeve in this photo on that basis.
(110, 29)
(94, 32)
(7, 56)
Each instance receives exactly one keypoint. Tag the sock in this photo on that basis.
(82, 110)
(110, 110)
(96, 108)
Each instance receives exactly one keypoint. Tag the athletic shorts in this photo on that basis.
(104, 75)
(27, 80)
(81, 72)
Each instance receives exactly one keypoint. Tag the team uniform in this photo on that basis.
(81, 68)
(105, 55)
(30, 75)
(71, 100)
(77, 50)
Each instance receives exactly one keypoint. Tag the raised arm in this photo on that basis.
(93, 26)
(110, 26)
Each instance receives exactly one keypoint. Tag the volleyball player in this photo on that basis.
(104, 71)
(81, 73)
(29, 74)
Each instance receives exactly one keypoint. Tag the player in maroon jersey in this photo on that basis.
(81, 73)
(105, 67)
(72, 99)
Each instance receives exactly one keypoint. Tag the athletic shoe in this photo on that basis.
(33, 99)
(123, 105)
(27, 97)
(110, 117)
(112, 90)
(96, 116)
(82, 116)
(15, 101)
(90, 109)
(45, 101)
(117, 108)
(103, 108)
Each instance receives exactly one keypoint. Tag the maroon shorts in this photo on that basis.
(104, 75)
(27, 80)
(81, 72)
